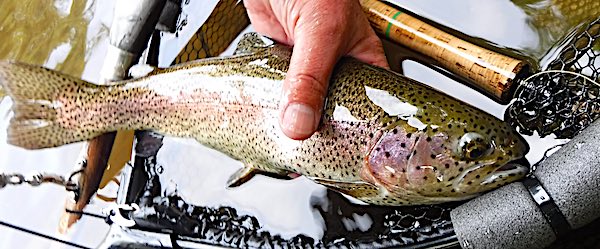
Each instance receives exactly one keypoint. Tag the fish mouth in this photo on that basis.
(522, 162)
(514, 168)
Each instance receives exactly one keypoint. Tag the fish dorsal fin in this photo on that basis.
(252, 42)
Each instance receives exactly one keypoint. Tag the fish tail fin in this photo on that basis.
(34, 91)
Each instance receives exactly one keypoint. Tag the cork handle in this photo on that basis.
(492, 72)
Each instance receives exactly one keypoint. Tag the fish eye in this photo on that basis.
(473, 146)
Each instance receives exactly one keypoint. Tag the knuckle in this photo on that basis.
(306, 88)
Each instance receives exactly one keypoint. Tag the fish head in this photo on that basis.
(451, 157)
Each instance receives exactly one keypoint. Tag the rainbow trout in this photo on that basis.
(383, 138)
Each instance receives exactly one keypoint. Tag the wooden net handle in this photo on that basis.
(494, 73)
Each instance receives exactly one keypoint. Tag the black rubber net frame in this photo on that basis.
(564, 98)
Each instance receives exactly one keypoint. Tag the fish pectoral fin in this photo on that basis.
(241, 176)
(246, 173)
(252, 42)
(359, 189)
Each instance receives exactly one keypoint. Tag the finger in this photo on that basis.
(315, 53)
(370, 50)
(265, 22)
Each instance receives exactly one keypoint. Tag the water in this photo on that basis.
(71, 36)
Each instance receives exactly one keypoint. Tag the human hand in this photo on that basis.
(321, 32)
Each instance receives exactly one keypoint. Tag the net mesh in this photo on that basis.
(224, 226)
(564, 98)
(395, 227)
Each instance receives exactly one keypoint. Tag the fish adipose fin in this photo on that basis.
(34, 91)
(252, 42)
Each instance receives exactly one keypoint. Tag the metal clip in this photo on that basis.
(115, 214)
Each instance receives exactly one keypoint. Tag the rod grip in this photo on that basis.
(492, 72)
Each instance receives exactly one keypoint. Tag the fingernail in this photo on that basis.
(299, 119)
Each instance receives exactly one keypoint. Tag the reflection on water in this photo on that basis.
(554, 19)
(42, 33)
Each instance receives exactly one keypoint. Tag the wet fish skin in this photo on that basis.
(384, 139)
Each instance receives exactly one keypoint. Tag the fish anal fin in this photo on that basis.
(359, 190)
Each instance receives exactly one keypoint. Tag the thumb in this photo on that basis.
(307, 80)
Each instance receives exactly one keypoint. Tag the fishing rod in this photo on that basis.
(560, 100)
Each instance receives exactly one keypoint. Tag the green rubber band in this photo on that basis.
(387, 30)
